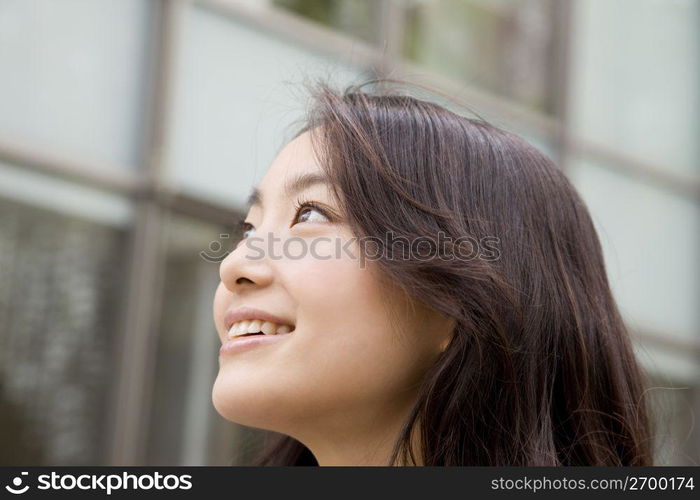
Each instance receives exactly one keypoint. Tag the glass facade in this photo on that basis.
(638, 92)
(132, 131)
(504, 46)
(184, 428)
(230, 120)
(60, 290)
(78, 88)
(357, 18)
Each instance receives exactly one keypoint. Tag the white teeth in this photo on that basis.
(268, 328)
(255, 326)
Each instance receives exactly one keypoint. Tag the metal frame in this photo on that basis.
(155, 199)
(137, 352)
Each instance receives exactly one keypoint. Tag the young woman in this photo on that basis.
(415, 287)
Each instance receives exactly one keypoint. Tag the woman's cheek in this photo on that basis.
(326, 271)
(220, 303)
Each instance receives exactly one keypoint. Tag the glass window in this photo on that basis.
(358, 18)
(636, 89)
(185, 428)
(673, 404)
(23, 185)
(238, 94)
(651, 246)
(73, 76)
(61, 281)
(503, 46)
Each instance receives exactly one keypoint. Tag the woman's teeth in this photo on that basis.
(256, 326)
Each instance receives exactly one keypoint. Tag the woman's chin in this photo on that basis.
(247, 406)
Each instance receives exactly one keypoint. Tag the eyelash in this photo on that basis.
(299, 204)
(244, 226)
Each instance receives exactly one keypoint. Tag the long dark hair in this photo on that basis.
(540, 370)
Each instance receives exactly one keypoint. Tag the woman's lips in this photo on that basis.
(239, 344)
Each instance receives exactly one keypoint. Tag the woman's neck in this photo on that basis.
(371, 444)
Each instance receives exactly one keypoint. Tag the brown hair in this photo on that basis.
(540, 370)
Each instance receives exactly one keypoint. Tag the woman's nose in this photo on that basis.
(246, 266)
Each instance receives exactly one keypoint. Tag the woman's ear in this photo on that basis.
(450, 332)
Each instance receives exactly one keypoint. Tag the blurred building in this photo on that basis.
(131, 132)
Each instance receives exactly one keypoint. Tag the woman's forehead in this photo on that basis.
(294, 170)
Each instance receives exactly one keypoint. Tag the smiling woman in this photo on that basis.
(402, 357)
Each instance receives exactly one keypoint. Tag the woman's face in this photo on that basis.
(357, 349)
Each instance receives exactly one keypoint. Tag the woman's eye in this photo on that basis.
(310, 213)
(245, 228)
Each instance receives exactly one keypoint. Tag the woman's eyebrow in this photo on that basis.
(292, 187)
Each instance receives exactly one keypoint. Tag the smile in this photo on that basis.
(247, 327)
(257, 327)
